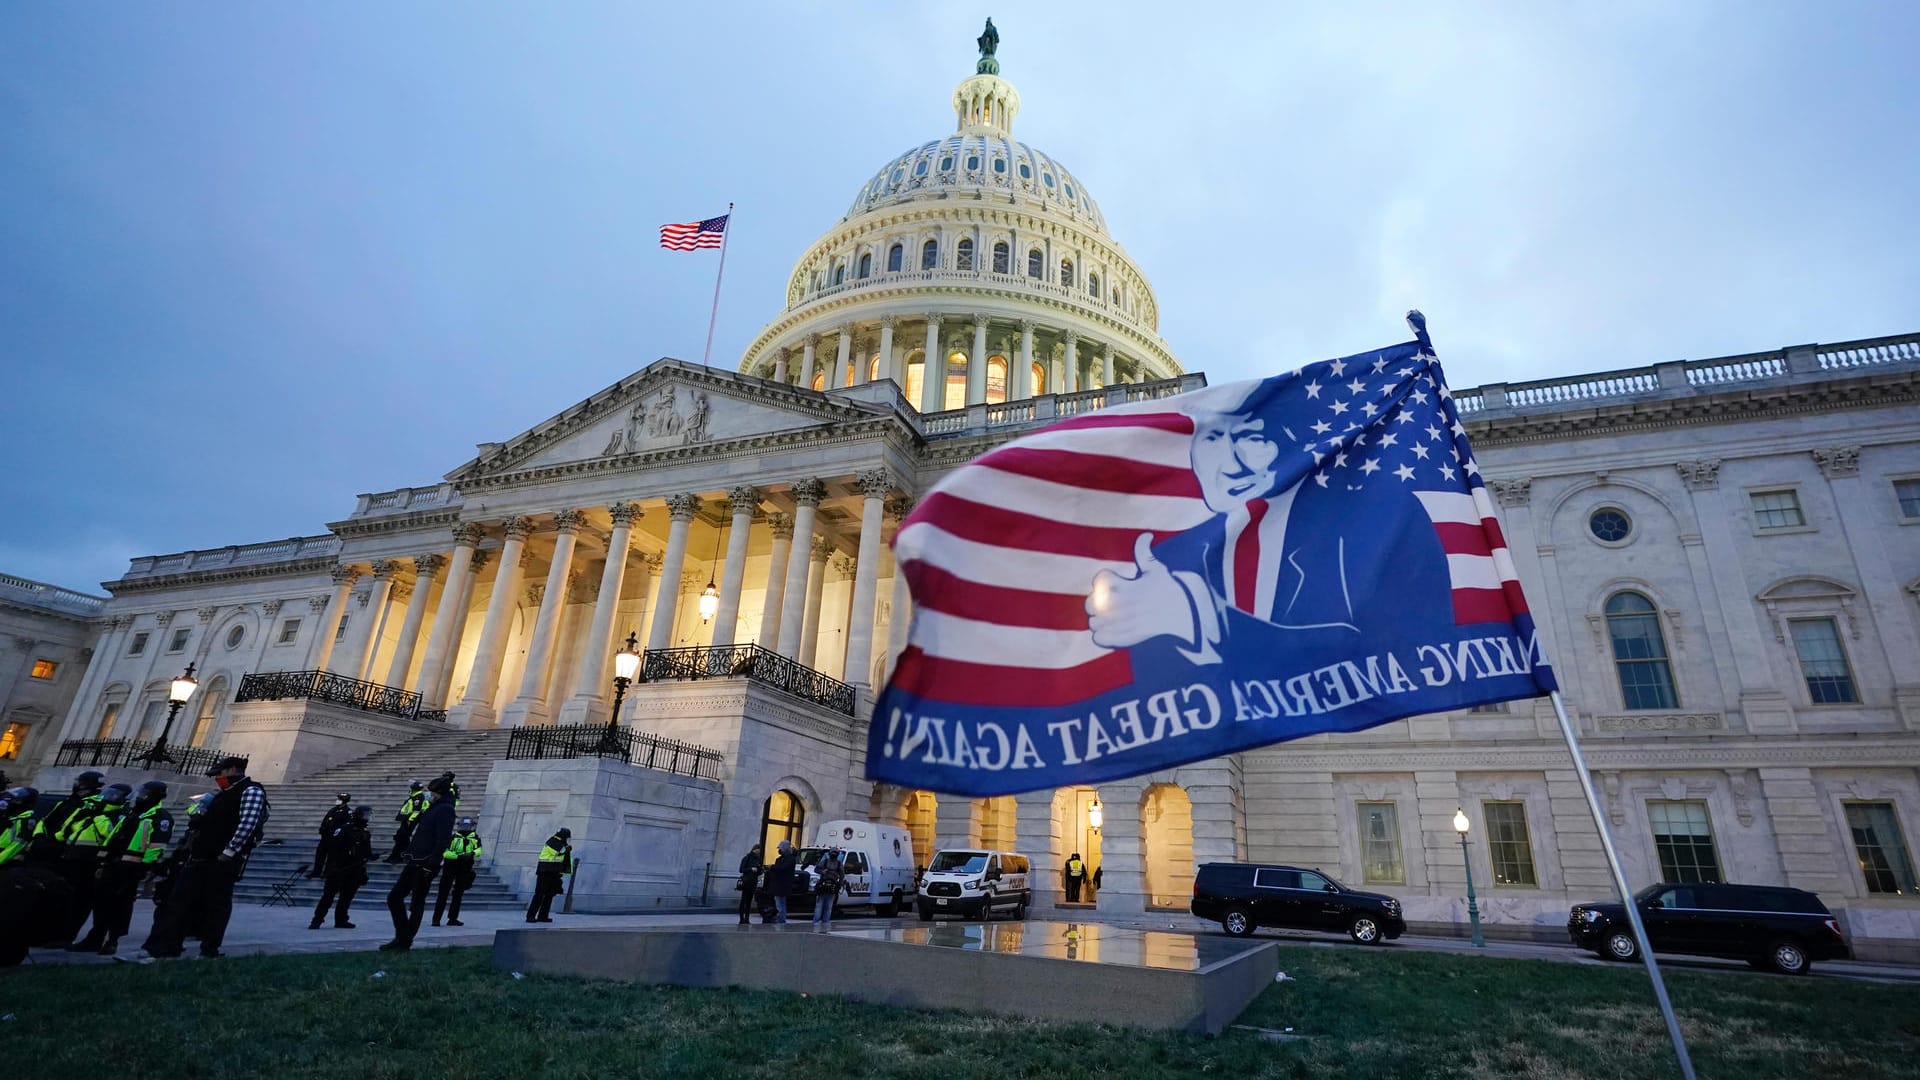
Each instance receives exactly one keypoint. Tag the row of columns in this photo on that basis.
(789, 624)
(933, 380)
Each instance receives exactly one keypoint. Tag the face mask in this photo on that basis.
(223, 782)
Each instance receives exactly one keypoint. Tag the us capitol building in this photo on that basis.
(1725, 553)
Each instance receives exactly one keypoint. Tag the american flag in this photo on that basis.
(694, 234)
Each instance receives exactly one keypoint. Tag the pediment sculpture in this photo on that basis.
(666, 416)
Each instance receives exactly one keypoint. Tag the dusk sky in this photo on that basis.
(256, 259)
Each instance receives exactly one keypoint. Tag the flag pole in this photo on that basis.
(1626, 894)
(706, 358)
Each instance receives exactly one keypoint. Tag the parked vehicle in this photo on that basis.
(972, 882)
(878, 864)
(1242, 897)
(1771, 927)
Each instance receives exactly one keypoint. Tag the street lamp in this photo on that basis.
(626, 665)
(1460, 825)
(178, 692)
(1095, 815)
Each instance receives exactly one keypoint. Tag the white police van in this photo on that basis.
(876, 859)
(973, 883)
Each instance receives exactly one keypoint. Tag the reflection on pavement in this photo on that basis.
(1090, 942)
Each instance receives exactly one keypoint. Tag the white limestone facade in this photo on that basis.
(1725, 557)
(46, 641)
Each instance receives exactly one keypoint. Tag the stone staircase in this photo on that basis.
(378, 780)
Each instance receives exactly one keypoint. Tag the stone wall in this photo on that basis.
(288, 740)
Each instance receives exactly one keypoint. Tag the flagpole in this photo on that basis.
(1626, 894)
(706, 358)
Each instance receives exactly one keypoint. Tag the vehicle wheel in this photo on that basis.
(1788, 958)
(1021, 911)
(926, 913)
(1620, 945)
(986, 907)
(1237, 922)
(892, 907)
(1365, 930)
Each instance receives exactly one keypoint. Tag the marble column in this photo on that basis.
(875, 485)
(1106, 365)
(530, 707)
(476, 705)
(844, 566)
(780, 366)
(1022, 386)
(933, 370)
(588, 705)
(816, 582)
(363, 638)
(841, 355)
(343, 579)
(1072, 381)
(806, 362)
(770, 610)
(450, 617)
(887, 366)
(977, 363)
(681, 509)
(424, 569)
(806, 500)
(743, 501)
(901, 617)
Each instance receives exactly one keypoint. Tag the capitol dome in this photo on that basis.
(980, 251)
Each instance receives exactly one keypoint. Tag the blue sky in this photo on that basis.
(257, 259)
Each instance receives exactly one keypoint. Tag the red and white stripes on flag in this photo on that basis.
(1486, 588)
(694, 234)
(1021, 531)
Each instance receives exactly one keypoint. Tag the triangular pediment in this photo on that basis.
(670, 404)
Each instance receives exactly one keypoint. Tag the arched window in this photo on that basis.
(956, 380)
(1036, 264)
(1066, 272)
(211, 701)
(1093, 286)
(963, 255)
(1640, 653)
(866, 264)
(1002, 258)
(895, 255)
(784, 818)
(1039, 378)
(873, 368)
(916, 376)
(839, 273)
(820, 380)
(996, 379)
(929, 255)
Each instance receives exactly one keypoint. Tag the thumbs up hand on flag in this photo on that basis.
(1124, 611)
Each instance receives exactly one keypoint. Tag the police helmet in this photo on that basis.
(346, 796)
(22, 797)
(414, 785)
(115, 794)
(466, 825)
(151, 792)
(563, 833)
(199, 803)
(89, 781)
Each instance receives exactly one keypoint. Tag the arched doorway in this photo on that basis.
(1079, 819)
(1166, 834)
(922, 806)
(783, 817)
(996, 379)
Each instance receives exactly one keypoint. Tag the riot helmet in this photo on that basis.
(414, 785)
(152, 793)
(346, 796)
(87, 783)
(116, 794)
(466, 825)
(563, 833)
(21, 799)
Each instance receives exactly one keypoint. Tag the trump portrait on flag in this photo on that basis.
(1165, 581)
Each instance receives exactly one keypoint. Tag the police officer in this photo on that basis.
(16, 823)
(453, 789)
(331, 822)
(169, 868)
(46, 846)
(556, 862)
(137, 844)
(456, 870)
(432, 832)
(84, 837)
(350, 850)
(202, 899)
(411, 808)
(1076, 877)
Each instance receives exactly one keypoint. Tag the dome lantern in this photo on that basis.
(986, 104)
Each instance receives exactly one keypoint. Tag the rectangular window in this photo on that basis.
(11, 740)
(340, 634)
(1777, 510)
(289, 630)
(1823, 663)
(1683, 837)
(1509, 846)
(1264, 878)
(44, 669)
(1908, 492)
(1380, 844)
(179, 642)
(1884, 861)
(1496, 707)
(139, 644)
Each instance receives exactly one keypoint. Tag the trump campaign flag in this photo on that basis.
(1152, 584)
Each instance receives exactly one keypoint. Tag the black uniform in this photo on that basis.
(407, 901)
(202, 897)
(549, 878)
(335, 819)
(350, 849)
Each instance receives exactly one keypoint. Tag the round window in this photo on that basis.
(1610, 525)
(235, 636)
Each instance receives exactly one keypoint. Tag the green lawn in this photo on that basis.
(446, 1012)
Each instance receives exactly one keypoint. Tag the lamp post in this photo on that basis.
(626, 664)
(178, 692)
(1460, 825)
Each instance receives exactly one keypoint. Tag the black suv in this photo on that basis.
(1242, 897)
(1768, 926)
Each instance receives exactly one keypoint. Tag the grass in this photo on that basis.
(446, 1012)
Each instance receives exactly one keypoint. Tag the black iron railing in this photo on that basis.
(749, 662)
(337, 690)
(626, 744)
(132, 753)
